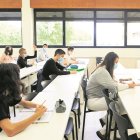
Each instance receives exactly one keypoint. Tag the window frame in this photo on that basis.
(94, 19)
(12, 19)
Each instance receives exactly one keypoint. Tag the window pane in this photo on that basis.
(49, 14)
(133, 14)
(49, 32)
(110, 33)
(79, 14)
(110, 14)
(79, 33)
(10, 33)
(10, 14)
(133, 33)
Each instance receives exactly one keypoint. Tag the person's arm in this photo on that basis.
(2, 59)
(35, 55)
(65, 61)
(59, 66)
(73, 59)
(56, 71)
(27, 104)
(12, 129)
(103, 78)
(22, 64)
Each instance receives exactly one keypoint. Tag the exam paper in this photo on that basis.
(50, 108)
(137, 82)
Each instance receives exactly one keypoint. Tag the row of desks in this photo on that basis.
(62, 87)
(131, 97)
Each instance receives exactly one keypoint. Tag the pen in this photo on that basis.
(41, 105)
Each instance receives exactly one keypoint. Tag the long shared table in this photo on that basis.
(131, 97)
(62, 87)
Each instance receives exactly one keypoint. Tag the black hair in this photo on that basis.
(59, 51)
(109, 62)
(45, 44)
(70, 48)
(7, 52)
(10, 82)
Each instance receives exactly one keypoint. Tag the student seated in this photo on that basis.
(7, 55)
(101, 78)
(42, 54)
(53, 67)
(68, 59)
(11, 89)
(22, 59)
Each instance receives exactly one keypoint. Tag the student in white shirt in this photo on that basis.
(68, 59)
(42, 55)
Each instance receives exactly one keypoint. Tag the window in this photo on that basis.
(133, 14)
(10, 33)
(133, 33)
(79, 14)
(110, 14)
(79, 33)
(49, 14)
(110, 33)
(88, 28)
(10, 28)
(49, 32)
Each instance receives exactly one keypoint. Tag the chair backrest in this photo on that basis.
(98, 60)
(53, 76)
(84, 85)
(122, 123)
(39, 73)
(105, 93)
(30, 96)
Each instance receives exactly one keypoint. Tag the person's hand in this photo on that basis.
(40, 110)
(73, 72)
(32, 63)
(35, 48)
(75, 62)
(132, 85)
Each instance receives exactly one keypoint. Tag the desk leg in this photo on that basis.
(29, 89)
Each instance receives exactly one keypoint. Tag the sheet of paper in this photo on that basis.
(24, 115)
(50, 108)
(137, 82)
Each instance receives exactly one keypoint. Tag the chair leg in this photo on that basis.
(79, 114)
(75, 124)
(110, 125)
(106, 127)
(73, 134)
(115, 131)
(83, 129)
(65, 138)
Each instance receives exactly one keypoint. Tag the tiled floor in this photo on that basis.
(92, 124)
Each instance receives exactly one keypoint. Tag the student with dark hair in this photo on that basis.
(68, 59)
(7, 55)
(102, 77)
(42, 54)
(22, 59)
(53, 67)
(11, 89)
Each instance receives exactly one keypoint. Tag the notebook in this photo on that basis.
(24, 115)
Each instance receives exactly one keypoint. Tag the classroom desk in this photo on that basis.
(29, 75)
(131, 98)
(65, 88)
(131, 102)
